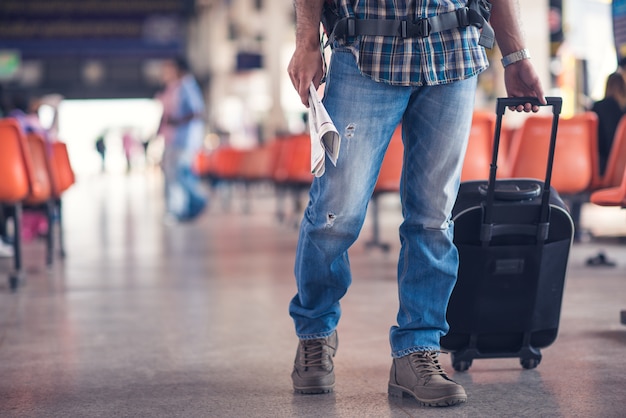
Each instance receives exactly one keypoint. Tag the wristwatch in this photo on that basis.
(514, 57)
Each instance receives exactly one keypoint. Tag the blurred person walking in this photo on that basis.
(128, 143)
(182, 127)
(101, 148)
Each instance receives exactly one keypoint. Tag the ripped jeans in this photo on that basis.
(436, 121)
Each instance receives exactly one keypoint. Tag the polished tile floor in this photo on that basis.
(145, 319)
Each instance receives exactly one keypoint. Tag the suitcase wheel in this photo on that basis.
(461, 365)
(529, 363)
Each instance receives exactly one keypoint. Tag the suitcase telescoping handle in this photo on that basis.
(487, 230)
(504, 102)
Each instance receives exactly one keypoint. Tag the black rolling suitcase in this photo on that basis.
(513, 238)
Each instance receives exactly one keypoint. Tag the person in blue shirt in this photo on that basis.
(408, 62)
(182, 127)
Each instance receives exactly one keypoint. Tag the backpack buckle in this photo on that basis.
(417, 29)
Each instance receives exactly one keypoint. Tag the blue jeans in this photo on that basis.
(435, 126)
(183, 195)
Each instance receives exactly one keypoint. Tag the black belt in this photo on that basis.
(422, 28)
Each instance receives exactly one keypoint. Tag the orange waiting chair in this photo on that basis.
(62, 178)
(258, 163)
(298, 174)
(611, 196)
(25, 181)
(41, 196)
(616, 163)
(227, 163)
(610, 189)
(257, 166)
(203, 164)
(14, 187)
(222, 163)
(575, 159)
(222, 166)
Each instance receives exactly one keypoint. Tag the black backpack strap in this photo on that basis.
(479, 14)
(422, 28)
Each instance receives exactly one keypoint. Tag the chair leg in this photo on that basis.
(16, 275)
(58, 213)
(3, 220)
(247, 197)
(49, 207)
(280, 202)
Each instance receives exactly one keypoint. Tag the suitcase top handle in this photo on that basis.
(504, 102)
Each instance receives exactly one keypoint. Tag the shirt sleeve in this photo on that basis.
(192, 101)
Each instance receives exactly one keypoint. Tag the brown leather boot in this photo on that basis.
(421, 376)
(313, 370)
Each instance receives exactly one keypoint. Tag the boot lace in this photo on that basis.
(315, 353)
(426, 363)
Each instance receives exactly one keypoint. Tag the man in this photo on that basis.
(426, 81)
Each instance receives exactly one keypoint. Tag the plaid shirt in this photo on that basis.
(440, 58)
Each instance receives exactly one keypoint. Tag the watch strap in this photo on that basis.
(514, 57)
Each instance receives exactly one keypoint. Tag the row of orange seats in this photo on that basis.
(284, 160)
(34, 175)
(522, 153)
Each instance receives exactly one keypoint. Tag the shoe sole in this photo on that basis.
(314, 390)
(451, 400)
